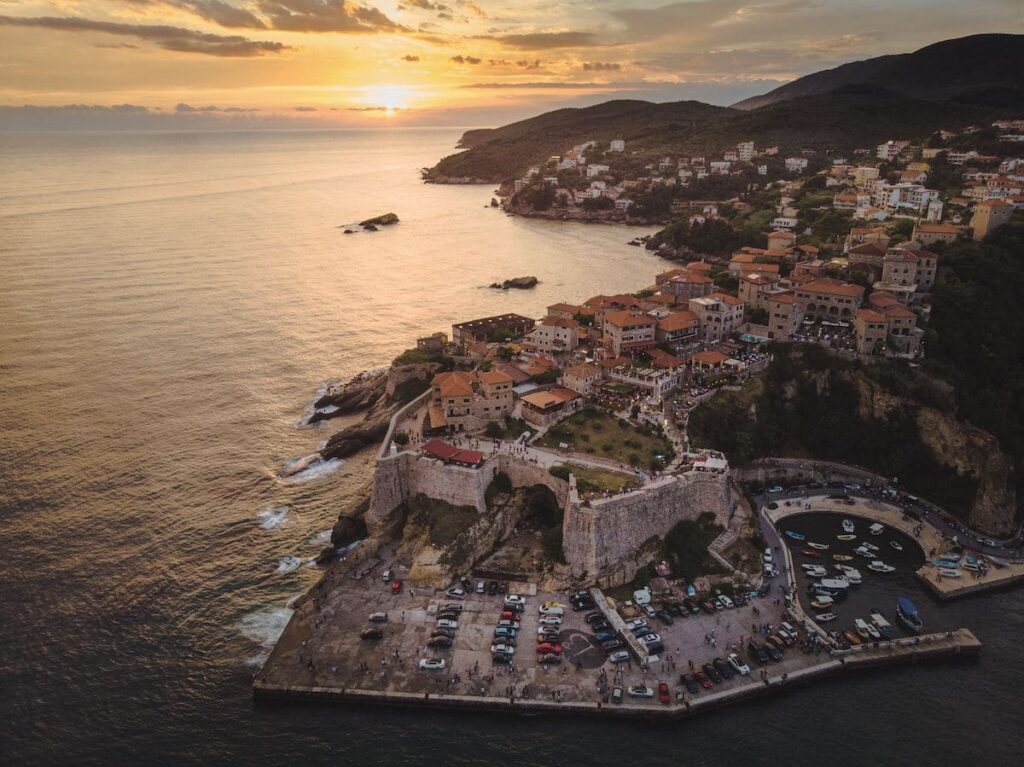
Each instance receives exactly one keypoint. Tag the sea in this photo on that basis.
(170, 305)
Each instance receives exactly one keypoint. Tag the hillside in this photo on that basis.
(495, 154)
(976, 69)
(851, 117)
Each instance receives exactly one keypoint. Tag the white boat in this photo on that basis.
(834, 583)
(869, 546)
(896, 545)
(876, 529)
(822, 602)
(866, 630)
(852, 574)
(818, 546)
(860, 551)
(825, 617)
(883, 626)
(879, 566)
(949, 572)
(846, 537)
(847, 525)
(815, 571)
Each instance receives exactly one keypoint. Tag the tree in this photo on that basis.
(902, 228)
(757, 316)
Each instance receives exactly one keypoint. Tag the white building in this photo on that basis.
(796, 164)
(745, 151)
(617, 145)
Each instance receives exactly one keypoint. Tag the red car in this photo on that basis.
(704, 679)
(663, 694)
(548, 647)
(510, 616)
(396, 586)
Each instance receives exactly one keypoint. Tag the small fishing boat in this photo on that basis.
(818, 546)
(851, 637)
(970, 566)
(950, 572)
(841, 557)
(906, 613)
(876, 529)
(878, 566)
(852, 574)
(847, 525)
(810, 553)
(869, 546)
(822, 602)
(860, 551)
(815, 571)
(865, 630)
(846, 537)
(825, 617)
(883, 626)
(896, 545)
(795, 535)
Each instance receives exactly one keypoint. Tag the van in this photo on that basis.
(386, 576)
(767, 556)
(481, 587)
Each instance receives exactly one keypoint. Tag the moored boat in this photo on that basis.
(852, 574)
(883, 626)
(846, 537)
(815, 571)
(906, 613)
(860, 551)
(878, 566)
(822, 602)
(810, 553)
(877, 528)
(825, 617)
(866, 630)
(896, 545)
(818, 546)
(847, 525)
(950, 572)
(842, 557)
(795, 535)
(852, 637)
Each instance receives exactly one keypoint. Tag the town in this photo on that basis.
(547, 463)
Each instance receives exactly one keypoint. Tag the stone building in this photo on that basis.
(826, 298)
(989, 215)
(628, 333)
(719, 315)
(465, 402)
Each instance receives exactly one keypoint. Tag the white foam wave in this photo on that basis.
(309, 468)
(265, 626)
(310, 561)
(322, 538)
(288, 564)
(272, 517)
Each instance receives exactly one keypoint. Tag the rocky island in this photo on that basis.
(516, 283)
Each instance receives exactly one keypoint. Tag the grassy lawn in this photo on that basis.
(444, 520)
(595, 432)
(591, 480)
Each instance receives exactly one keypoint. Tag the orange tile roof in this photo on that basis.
(830, 287)
(454, 384)
(691, 278)
(709, 358)
(937, 229)
(494, 377)
(625, 319)
(869, 316)
(550, 397)
(699, 266)
(678, 321)
(787, 297)
(725, 298)
(559, 322)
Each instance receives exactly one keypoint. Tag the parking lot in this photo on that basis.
(324, 648)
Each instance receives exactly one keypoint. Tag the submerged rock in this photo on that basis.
(385, 220)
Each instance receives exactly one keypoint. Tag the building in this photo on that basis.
(464, 401)
(679, 329)
(929, 234)
(658, 381)
(567, 311)
(796, 164)
(755, 288)
(781, 239)
(751, 263)
(870, 331)
(861, 234)
(544, 407)
(489, 329)
(450, 454)
(903, 198)
(688, 284)
(890, 150)
(582, 378)
(909, 267)
(555, 334)
(989, 215)
(719, 315)
(628, 333)
(784, 222)
(904, 337)
(433, 343)
(745, 151)
(617, 145)
(828, 298)
(784, 315)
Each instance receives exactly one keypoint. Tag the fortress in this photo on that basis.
(603, 539)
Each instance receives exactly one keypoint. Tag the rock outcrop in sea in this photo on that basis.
(518, 283)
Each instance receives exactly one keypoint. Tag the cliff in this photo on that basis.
(885, 417)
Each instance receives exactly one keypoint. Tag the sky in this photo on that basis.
(313, 63)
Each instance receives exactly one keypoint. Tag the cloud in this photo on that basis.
(546, 85)
(473, 8)
(303, 109)
(184, 109)
(219, 12)
(325, 16)
(599, 66)
(548, 40)
(167, 37)
(410, 57)
(425, 5)
(460, 59)
(524, 64)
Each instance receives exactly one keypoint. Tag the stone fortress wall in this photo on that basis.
(601, 538)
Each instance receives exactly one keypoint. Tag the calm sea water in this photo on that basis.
(169, 305)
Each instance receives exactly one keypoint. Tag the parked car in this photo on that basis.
(552, 603)
(774, 653)
(737, 663)
(650, 639)
(757, 653)
(396, 587)
(386, 576)
(777, 642)
(691, 605)
(619, 656)
(502, 587)
(647, 610)
(724, 668)
(708, 606)
(481, 587)
(725, 603)
(501, 658)
(439, 641)
(712, 672)
(447, 623)
(767, 557)
(453, 607)
(514, 599)
(664, 617)
(643, 631)
(503, 647)
(510, 615)
(378, 618)
(492, 588)
(549, 647)
(449, 615)
(616, 695)
(612, 645)
(503, 631)
(635, 624)
(663, 693)
(432, 664)
(456, 592)
(549, 658)
(775, 489)
(640, 691)
(690, 683)
(372, 633)
(551, 610)
(550, 620)
(505, 623)
(594, 618)
(450, 633)
(703, 679)
(604, 636)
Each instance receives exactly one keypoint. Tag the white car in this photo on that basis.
(550, 620)
(619, 656)
(724, 602)
(445, 623)
(767, 556)
(786, 629)
(648, 610)
(456, 592)
(636, 624)
(640, 691)
(776, 489)
(503, 648)
(737, 663)
(545, 610)
(432, 664)
(650, 638)
(514, 599)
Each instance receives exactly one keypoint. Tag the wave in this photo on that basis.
(265, 626)
(288, 564)
(322, 538)
(272, 517)
(308, 468)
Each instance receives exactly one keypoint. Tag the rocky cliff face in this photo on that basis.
(969, 450)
